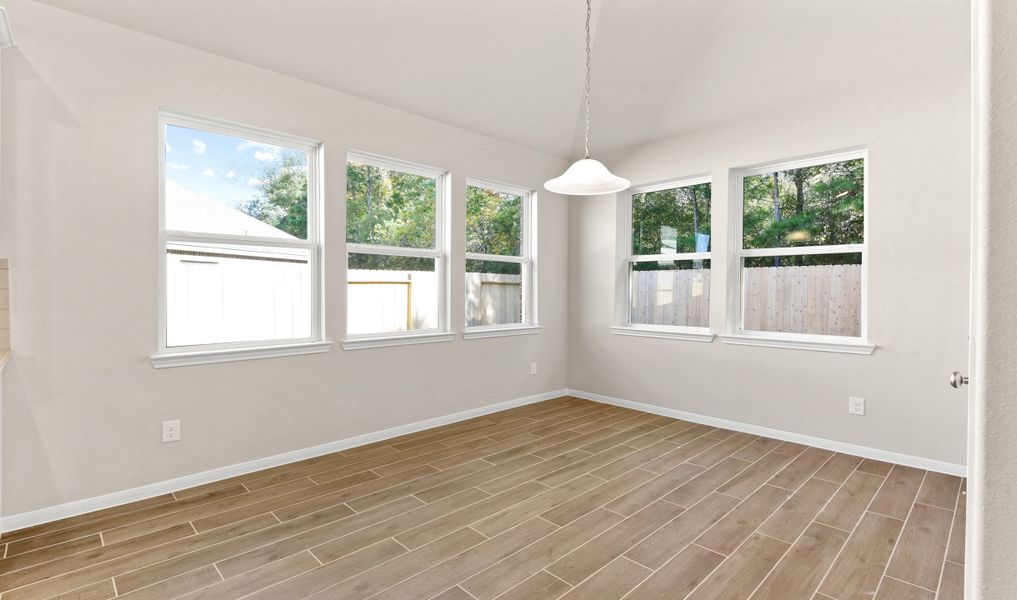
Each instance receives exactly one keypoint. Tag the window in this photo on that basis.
(801, 254)
(239, 242)
(665, 289)
(396, 283)
(499, 265)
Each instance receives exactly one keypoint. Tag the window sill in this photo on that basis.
(477, 333)
(840, 345)
(383, 341)
(188, 358)
(691, 334)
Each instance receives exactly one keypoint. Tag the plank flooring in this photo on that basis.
(565, 499)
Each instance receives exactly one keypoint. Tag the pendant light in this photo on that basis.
(587, 177)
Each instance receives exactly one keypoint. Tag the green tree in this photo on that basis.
(389, 208)
(493, 226)
(812, 206)
(663, 217)
(282, 197)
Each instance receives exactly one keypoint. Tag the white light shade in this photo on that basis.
(587, 177)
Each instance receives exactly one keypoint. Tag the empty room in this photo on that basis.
(531, 300)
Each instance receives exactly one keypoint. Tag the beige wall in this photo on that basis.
(992, 489)
(917, 134)
(82, 404)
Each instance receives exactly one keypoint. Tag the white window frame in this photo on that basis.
(439, 253)
(526, 258)
(623, 290)
(178, 356)
(735, 334)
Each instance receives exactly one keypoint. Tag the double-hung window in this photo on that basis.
(239, 243)
(664, 281)
(397, 257)
(499, 291)
(798, 272)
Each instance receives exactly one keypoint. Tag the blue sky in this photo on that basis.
(225, 168)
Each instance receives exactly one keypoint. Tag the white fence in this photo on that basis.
(815, 299)
(214, 297)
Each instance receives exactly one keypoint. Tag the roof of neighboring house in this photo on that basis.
(187, 210)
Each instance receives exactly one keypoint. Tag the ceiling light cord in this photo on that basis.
(589, 10)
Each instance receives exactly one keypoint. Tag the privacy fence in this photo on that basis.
(813, 299)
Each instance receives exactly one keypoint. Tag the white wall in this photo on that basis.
(82, 404)
(917, 133)
(992, 490)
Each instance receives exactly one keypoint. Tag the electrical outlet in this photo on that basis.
(171, 431)
(533, 368)
(856, 406)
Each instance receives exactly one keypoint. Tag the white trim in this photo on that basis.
(625, 260)
(688, 334)
(440, 253)
(817, 343)
(352, 248)
(396, 339)
(803, 250)
(676, 256)
(779, 434)
(77, 507)
(395, 164)
(496, 258)
(228, 351)
(490, 331)
(5, 357)
(169, 359)
(527, 256)
(737, 252)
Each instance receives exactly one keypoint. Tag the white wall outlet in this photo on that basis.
(856, 406)
(171, 431)
(533, 368)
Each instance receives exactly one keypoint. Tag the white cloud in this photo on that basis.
(176, 167)
(208, 173)
(247, 145)
(264, 155)
(254, 182)
(168, 147)
(199, 146)
(231, 174)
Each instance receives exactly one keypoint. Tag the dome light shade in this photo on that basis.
(587, 177)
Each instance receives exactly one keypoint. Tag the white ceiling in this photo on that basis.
(513, 69)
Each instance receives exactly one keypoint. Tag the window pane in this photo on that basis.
(671, 221)
(391, 293)
(674, 293)
(818, 294)
(236, 293)
(390, 208)
(821, 205)
(228, 185)
(494, 293)
(494, 222)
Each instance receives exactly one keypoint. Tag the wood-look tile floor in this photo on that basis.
(562, 499)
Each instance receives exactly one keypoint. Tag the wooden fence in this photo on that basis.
(680, 298)
(817, 299)
(493, 299)
(824, 299)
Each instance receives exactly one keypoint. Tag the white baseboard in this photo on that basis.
(787, 436)
(78, 507)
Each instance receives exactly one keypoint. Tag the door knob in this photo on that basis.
(957, 380)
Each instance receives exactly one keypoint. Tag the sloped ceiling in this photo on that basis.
(513, 69)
